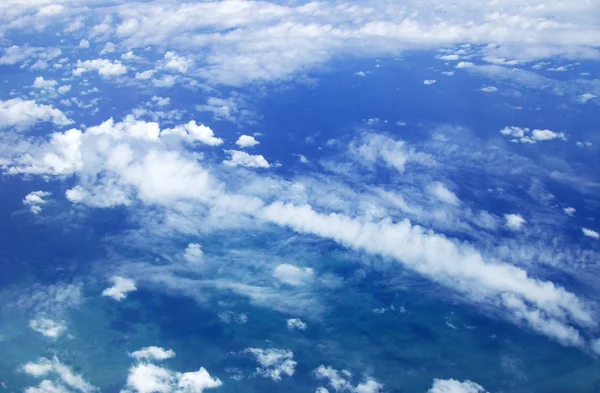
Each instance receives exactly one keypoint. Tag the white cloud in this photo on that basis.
(451, 57)
(23, 114)
(274, 363)
(177, 63)
(296, 323)
(84, 44)
(241, 158)
(514, 221)
(145, 75)
(448, 73)
(246, 141)
(525, 135)
(164, 81)
(293, 275)
(153, 353)
(121, 287)
(570, 211)
(586, 97)
(454, 386)
(442, 193)
(489, 89)
(596, 346)
(375, 148)
(193, 253)
(104, 67)
(44, 84)
(193, 132)
(35, 200)
(109, 47)
(429, 81)
(590, 233)
(464, 64)
(340, 381)
(360, 73)
(161, 101)
(48, 327)
(45, 367)
(148, 378)
(64, 89)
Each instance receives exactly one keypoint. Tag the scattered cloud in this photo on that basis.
(241, 158)
(489, 89)
(153, 353)
(591, 233)
(429, 81)
(296, 323)
(23, 114)
(274, 363)
(121, 287)
(514, 221)
(104, 67)
(570, 211)
(48, 327)
(443, 194)
(246, 141)
(293, 275)
(35, 200)
(525, 135)
(193, 253)
(454, 386)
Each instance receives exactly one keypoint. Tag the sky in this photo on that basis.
(329, 197)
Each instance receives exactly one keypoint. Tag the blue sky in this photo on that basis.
(243, 196)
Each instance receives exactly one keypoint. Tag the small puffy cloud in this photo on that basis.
(296, 323)
(302, 158)
(274, 363)
(464, 64)
(165, 81)
(454, 386)
(44, 84)
(590, 233)
(84, 44)
(121, 287)
(193, 132)
(340, 381)
(241, 158)
(514, 221)
(443, 194)
(161, 101)
(489, 89)
(48, 327)
(46, 367)
(429, 82)
(153, 353)
(570, 211)
(360, 73)
(448, 73)
(451, 57)
(144, 75)
(64, 89)
(525, 135)
(595, 344)
(35, 200)
(231, 317)
(108, 48)
(246, 141)
(149, 378)
(23, 114)
(193, 253)
(586, 97)
(104, 67)
(293, 275)
(177, 63)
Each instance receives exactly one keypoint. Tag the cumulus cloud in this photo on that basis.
(23, 114)
(104, 67)
(590, 233)
(121, 287)
(193, 253)
(48, 327)
(375, 148)
(570, 211)
(293, 275)
(274, 363)
(525, 135)
(514, 221)
(429, 82)
(454, 386)
(489, 89)
(84, 44)
(149, 378)
(35, 200)
(296, 323)
(44, 84)
(241, 158)
(193, 132)
(53, 367)
(246, 141)
(340, 381)
(177, 63)
(153, 353)
(443, 194)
